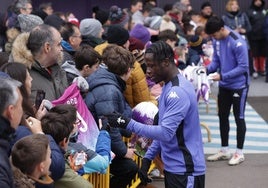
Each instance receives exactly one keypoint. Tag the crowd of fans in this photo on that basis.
(45, 50)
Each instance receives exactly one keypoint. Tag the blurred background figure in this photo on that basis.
(256, 15)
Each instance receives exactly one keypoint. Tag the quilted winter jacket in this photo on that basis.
(104, 97)
(137, 89)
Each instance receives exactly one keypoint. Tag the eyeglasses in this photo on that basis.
(28, 9)
(78, 36)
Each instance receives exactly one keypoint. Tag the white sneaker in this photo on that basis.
(220, 156)
(155, 173)
(255, 75)
(236, 159)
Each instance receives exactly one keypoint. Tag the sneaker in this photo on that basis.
(219, 156)
(236, 159)
(255, 75)
(155, 174)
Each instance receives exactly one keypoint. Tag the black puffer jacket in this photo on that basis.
(256, 16)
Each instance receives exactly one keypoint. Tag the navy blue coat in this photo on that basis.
(6, 175)
(104, 97)
(238, 20)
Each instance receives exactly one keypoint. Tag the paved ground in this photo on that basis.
(253, 171)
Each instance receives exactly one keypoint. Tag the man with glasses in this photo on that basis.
(71, 41)
(24, 6)
(19, 7)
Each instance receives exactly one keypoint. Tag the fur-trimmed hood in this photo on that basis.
(20, 53)
(12, 33)
(21, 180)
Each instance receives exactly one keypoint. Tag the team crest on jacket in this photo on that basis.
(173, 94)
(238, 44)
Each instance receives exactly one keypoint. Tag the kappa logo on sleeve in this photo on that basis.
(173, 95)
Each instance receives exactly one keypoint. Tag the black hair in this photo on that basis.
(161, 51)
(135, 2)
(168, 7)
(58, 122)
(213, 25)
(43, 6)
(67, 30)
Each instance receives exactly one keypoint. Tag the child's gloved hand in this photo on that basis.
(81, 83)
(117, 120)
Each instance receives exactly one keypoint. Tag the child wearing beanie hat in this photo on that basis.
(153, 22)
(167, 23)
(118, 17)
(205, 4)
(206, 12)
(195, 50)
(140, 32)
(117, 35)
(196, 42)
(90, 27)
